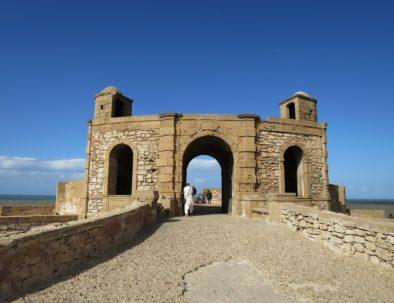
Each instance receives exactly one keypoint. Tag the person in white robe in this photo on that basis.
(188, 195)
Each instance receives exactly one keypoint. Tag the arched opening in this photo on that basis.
(205, 174)
(221, 152)
(291, 110)
(293, 166)
(120, 170)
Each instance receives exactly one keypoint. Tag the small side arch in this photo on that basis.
(120, 180)
(295, 170)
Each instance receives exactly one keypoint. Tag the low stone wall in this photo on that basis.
(71, 197)
(34, 259)
(369, 213)
(25, 223)
(27, 210)
(369, 239)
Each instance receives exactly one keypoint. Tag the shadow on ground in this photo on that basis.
(204, 210)
(199, 210)
(117, 250)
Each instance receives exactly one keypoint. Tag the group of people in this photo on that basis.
(189, 194)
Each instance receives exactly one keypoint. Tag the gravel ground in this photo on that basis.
(153, 269)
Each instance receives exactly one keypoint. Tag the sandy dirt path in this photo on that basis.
(156, 267)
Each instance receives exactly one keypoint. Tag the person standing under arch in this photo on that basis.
(188, 192)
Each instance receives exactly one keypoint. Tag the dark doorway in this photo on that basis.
(120, 170)
(293, 169)
(221, 152)
(291, 110)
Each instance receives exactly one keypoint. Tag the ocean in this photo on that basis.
(27, 199)
(387, 204)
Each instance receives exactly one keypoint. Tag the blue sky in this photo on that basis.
(195, 56)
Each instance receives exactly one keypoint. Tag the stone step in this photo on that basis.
(260, 213)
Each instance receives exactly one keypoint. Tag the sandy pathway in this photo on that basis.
(293, 267)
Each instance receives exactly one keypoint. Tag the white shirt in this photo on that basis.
(188, 192)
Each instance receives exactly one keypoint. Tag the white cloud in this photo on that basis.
(204, 164)
(33, 164)
(37, 176)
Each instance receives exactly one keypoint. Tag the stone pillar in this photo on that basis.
(282, 188)
(87, 166)
(166, 163)
(307, 179)
(246, 164)
(326, 197)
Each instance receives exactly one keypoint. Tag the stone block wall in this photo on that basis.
(35, 259)
(25, 223)
(369, 213)
(71, 197)
(371, 240)
(27, 210)
(271, 144)
(145, 143)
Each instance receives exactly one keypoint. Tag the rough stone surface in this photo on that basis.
(30, 260)
(146, 145)
(369, 240)
(269, 147)
(153, 269)
(231, 281)
(25, 223)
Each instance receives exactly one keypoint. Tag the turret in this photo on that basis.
(110, 103)
(300, 106)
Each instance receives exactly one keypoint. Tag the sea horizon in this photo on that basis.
(14, 199)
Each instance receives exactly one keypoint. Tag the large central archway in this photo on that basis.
(221, 151)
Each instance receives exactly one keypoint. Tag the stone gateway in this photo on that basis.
(264, 162)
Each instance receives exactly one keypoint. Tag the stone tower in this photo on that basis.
(110, 103)
(300, 106)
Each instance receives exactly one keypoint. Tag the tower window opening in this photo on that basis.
(119, 109)
(291, 110)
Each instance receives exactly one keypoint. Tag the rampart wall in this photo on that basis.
(25, 223)
(369, 239)
(27, 210)
(35, 259)
(71, 197)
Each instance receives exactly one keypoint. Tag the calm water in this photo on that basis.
(387, 204)
(26, 199)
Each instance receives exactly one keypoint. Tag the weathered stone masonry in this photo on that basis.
(133, 158)
(145, 144)
(368, 239)
(269, 148)
(40, 257)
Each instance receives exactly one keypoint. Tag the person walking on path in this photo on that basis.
(209, 196)
(188, 195)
